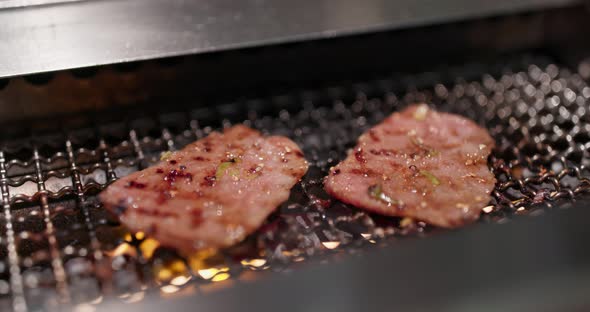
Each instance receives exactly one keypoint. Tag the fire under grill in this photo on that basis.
(58, 246)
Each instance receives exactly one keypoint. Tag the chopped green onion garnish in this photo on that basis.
(221, 169)
(376, 192)
(433, 179)
(165, 155)
(234, 172)
(224, 166)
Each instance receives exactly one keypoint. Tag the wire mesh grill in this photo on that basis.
(58, 246)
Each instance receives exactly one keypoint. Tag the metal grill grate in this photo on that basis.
(58, 246)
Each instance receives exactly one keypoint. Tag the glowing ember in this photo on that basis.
(212, 272)
(169, 289)
(254, 262)
(180, 280)
(220, 277)
(331, 245)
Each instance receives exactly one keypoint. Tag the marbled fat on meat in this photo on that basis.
(212, 193)
(421, 164)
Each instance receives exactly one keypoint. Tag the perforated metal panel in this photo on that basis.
(60, 247)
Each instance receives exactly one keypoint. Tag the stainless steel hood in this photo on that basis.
(47, 35)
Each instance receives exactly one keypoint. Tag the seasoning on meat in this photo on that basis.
(211, 194)
(421, 164)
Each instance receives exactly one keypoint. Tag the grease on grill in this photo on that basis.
(538, 118)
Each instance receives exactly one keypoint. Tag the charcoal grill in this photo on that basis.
(523, 73)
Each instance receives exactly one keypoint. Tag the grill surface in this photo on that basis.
(58, 246)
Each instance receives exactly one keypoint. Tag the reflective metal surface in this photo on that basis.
(5, 4)
(547, 270)
(86, 33)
